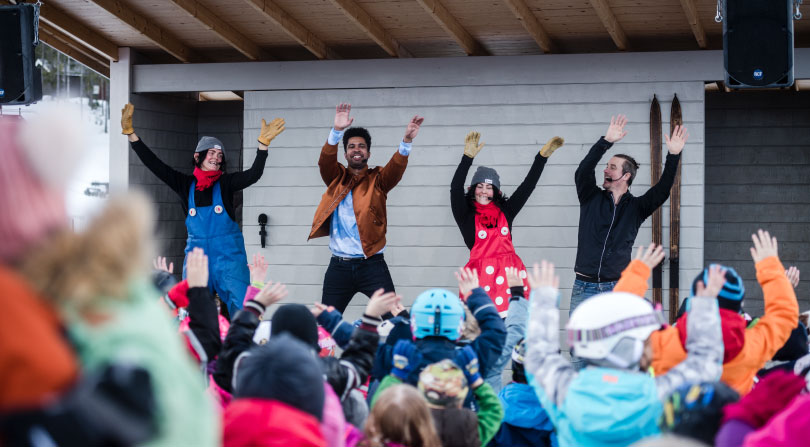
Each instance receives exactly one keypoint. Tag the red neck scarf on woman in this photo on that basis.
(206, 178)
(489, 214)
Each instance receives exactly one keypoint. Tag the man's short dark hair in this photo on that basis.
(629, 165)
(356, 132)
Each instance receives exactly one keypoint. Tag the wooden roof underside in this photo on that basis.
(185, 31)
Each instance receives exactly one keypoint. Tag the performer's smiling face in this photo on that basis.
(484, 193)
(613, 173)
(212, 161)
(357, 152)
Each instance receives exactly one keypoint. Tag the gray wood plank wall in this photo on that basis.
(223, 120)
(758, 176)
(168, 125)
(424, 244)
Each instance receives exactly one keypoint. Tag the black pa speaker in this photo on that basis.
(20, 80)
(758, 43)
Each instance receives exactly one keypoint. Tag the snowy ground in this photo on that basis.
(94, 166)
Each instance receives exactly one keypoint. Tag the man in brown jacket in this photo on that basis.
(353, 212)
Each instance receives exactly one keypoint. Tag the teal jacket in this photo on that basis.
(610, 407)
(140, 331)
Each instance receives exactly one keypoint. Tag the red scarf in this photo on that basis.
(206, 178)
(488, 213)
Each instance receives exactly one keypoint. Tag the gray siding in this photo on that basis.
(758, 176)
(424, 244)
(223, 120)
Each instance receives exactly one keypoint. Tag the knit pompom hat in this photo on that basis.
(443, 384)
(285, 370)
(297, 320)
(695, 410)
(39, 156)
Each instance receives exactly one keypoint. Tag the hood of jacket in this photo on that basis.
(262, 422)
(733, 326)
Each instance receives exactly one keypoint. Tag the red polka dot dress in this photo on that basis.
(491, 254)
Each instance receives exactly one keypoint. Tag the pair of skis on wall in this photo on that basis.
(675, 119)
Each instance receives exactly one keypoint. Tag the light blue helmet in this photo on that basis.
(437, 312)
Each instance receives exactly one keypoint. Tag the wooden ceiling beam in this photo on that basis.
(222, 29)
(372, 28)
(293, 28)
(159, 36)
(80, 33)
(449, 23)
(692, 16)
(58, 34)
(532, 25)
(66, 45)
(612, 25)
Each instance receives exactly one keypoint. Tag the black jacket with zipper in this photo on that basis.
(607, 231)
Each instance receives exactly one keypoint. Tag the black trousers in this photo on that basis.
(347, 276)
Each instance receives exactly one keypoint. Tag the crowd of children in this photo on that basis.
(94, 354)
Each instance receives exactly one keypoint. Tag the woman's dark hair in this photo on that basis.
(197, 161)
(498, 197)
(518, 373)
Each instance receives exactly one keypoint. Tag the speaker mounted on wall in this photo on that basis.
(758, 43)
(20, 79)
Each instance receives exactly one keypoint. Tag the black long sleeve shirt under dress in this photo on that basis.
(464, 211)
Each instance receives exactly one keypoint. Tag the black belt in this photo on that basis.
(370, 258)
(592, 279)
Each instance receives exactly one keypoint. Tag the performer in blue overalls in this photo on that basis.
(207, 198)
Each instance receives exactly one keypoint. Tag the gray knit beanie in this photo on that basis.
(209, 143)
(486, 175)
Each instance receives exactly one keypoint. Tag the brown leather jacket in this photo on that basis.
(369, 194)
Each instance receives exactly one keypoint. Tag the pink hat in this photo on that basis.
(31, 208)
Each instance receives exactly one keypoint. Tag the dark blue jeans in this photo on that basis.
(347, 276)
(582, 291)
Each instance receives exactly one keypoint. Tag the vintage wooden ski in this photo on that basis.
(675, 119)
(655, 175)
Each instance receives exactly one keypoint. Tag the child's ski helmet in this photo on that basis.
(611, 328)
(437, 312)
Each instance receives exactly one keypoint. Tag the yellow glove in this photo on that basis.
(270, 131)
(471, 146)
(126, 119)
(551, 145)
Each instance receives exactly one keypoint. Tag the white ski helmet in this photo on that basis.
(610, 329)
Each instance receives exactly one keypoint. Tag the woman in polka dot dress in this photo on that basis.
(484, 215)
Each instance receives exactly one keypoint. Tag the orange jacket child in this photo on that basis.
(746, 350)
(36, 360)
